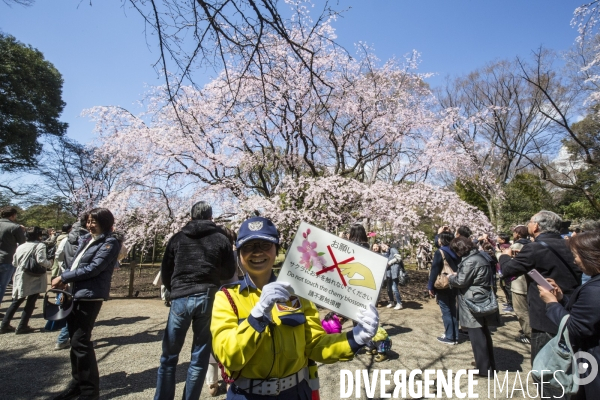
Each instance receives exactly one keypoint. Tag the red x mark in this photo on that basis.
(335, 266)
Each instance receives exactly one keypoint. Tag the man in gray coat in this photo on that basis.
(11, 235)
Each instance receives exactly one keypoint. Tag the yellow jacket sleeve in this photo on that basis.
(320, 346)
(234, 344)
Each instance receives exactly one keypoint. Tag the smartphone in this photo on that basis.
(539, 279)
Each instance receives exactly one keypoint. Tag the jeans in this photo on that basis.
(393, 292)
(6, 273)
(446, 299)
(63, 336)
(195, 310)
(84, 366)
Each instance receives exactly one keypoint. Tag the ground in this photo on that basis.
(128, 333)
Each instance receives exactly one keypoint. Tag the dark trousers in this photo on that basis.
(483, 349)
(539, 340)
(27, 311)
(505, 285)
(84, 367)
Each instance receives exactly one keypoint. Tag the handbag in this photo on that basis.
(441, 282)
(403, 277)
(32, 267)
(555, 363)
(483, 305)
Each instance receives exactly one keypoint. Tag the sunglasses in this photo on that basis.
(262, 245)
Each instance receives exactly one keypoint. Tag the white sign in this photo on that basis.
(332, 272)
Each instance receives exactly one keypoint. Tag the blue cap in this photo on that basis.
(257, 228)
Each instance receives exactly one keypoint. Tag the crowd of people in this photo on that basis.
(467, 269)
(263, 337)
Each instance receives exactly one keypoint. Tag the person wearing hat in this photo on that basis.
(264, 335)
(196, 260)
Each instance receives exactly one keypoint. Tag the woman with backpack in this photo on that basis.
(26, 287)
(446, 297)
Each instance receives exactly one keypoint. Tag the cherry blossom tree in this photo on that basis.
(215, 34)
(334, 201)
(364, 130)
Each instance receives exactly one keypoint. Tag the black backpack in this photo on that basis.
(50, 251)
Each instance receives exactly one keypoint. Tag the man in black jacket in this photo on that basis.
(196, 259)
(551, 257)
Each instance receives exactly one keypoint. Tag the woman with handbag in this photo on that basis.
(445, 262)
(474, 283)
(583, 324)
(29, 281)
(90, 276)
(264, 336)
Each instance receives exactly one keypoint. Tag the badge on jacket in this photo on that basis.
(293, 304)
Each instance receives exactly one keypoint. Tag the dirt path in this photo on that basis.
(129, 333)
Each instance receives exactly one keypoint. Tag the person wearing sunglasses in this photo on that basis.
(264, 336)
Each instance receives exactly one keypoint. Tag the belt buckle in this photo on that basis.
(269, 382)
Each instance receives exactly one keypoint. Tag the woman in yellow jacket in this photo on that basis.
(264, 335)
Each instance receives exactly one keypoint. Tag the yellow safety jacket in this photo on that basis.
(252, 348)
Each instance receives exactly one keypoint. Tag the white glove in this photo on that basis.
(368, 322)
(272, 293)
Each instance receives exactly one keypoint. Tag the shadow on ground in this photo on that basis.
(39, 380)
(413, 305)
(121, 383)
(140, 337)
(116, 321)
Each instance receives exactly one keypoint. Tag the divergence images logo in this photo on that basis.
(590, 364)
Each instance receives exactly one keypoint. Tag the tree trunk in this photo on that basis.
(132, 266)
(154, 251)
(142, 259)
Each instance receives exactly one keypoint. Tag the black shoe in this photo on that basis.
(6, 329)
(24, 330)
(70, 393)
(523, 339)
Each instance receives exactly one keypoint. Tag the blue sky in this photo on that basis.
(106, 59)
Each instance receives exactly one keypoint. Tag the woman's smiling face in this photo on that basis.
(258, 255)
(93, 226)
